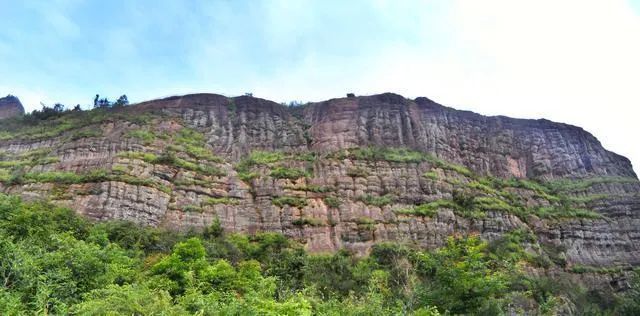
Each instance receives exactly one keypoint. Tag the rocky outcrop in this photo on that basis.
(183, 162)
(499, 145)
(10, 106)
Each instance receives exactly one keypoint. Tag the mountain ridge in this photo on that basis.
(342, 173)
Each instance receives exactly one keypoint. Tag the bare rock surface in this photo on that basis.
(186, 164)
(10, 106)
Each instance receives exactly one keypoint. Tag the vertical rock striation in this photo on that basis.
(182, 162)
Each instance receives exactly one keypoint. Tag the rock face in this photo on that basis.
(344, 173)
(10, 106)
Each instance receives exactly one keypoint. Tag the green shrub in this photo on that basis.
(428, 209)
(256, 158)
(281, 201)
(439, 163)
(555, 212)
(169, 158)
(357, 172)
(221, 200)
(366, 223)
(332, 201)
(86, 134)
(402, 155)
(573, 185)
(375, 200)
(146, 157)
(146, 136)
(489, 203)
(265, 157)
(314, 188)
(247, 176)
(288, 173)
(192, 208)
(61, 177)
(55, 261)
(307, 221)
(431, 175)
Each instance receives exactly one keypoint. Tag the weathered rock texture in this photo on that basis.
(10, 106)
(330, 204)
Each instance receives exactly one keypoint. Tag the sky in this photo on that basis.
(572, 61)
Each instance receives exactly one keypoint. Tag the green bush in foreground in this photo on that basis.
(54, 262)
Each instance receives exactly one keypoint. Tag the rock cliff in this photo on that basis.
(10, 106)
(343, 173)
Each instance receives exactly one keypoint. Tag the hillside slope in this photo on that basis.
(343, 173)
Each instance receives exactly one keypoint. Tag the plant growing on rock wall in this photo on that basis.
(281, 201)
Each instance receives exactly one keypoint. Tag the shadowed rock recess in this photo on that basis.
(343, 173)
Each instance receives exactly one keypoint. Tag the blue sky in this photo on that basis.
(574, 61)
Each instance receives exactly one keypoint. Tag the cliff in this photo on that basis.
(343, 173)
(10, 106)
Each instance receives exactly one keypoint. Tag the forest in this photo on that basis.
(57, 263)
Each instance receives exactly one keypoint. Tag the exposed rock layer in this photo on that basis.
(178, 196)
(10, 106)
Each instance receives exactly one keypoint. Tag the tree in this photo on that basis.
(58, 108)
(461, 276)
(104, 103)
(122, 101)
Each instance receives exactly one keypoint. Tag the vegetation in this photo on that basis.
(288, 173)
(146, 136)
(375, 200)
(221, 200)
(256, 158)
(332, 201)
(171, 159)
(281, 201)
(67, 178)
(57, 263)
(358, 172)
(307, 221)
(426, 209)
(55, 121)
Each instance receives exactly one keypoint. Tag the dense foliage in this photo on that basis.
(54, 262)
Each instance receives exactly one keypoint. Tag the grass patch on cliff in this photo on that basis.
(68, 178)
(427, 209)
(288, 173)
(89, 133)
(376, 200)
(256, 158)
(307, 221)
(332, 201)
(146, 157)
(573, 185)
(581, 269)
(146, 136)
(170, 158)
(281, 201)
(400, 155)
(366, 223)
(560, 212)
(194, 144)
(357, 172)
(29, 127)
(221, 200)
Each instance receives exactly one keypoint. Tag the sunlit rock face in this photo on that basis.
(10, 106)
(256, 165)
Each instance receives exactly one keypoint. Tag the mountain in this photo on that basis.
(343, 173)
(10, 106)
